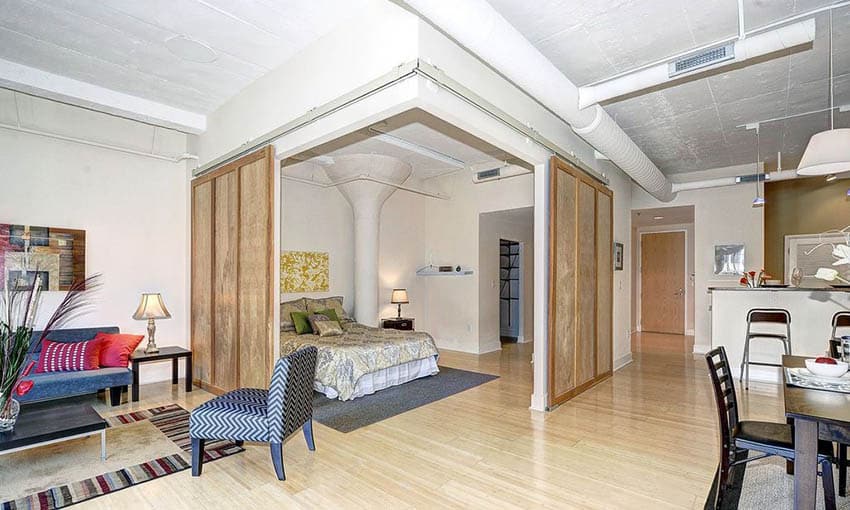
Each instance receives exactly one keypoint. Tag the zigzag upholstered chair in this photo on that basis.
(257, 415)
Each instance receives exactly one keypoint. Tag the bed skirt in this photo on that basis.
(392, 376)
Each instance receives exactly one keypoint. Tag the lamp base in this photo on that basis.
(151, 347)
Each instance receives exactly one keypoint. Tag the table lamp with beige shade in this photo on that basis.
(151, 308)
(399, 298)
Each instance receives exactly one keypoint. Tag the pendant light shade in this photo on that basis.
(828, 152)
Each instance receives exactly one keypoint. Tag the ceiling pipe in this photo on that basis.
(780, 175)
(484, 32)
(81, 141)
(745, 49)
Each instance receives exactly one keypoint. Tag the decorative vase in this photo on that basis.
(796, 277)
(9, 415)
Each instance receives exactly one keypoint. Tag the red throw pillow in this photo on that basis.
(69, 357)
(117, 348)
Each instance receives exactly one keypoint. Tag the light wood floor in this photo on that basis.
(662, 342)
(644, 439)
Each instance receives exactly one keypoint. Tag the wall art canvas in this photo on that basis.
(58, 255)
(618, 256)
(304, 271)
(729, 259)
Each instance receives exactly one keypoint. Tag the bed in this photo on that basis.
(363, 359)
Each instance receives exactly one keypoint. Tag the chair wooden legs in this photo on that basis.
(115, 395)
(842, 469)
(197, 456)
(239, 443)
(308, 435)
(828, 485)
(277, 459)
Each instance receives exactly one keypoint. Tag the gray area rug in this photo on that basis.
(353, 414)
(763, 484)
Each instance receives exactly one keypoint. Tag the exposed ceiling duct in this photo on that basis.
(483, 31)
(741, 50)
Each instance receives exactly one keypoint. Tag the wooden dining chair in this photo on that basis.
(738, 437)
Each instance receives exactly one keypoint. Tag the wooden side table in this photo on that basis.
(170, 352)
(402, 323)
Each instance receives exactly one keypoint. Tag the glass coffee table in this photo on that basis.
(46, 423)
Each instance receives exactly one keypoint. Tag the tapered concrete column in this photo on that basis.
(366, 199)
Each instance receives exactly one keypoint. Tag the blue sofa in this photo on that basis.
(56, 385)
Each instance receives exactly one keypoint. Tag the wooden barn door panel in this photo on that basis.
(225, 281)
(233, 221)
(562, 336)
(605, 283)
(255, 255)
(580, 285)
(202, 206)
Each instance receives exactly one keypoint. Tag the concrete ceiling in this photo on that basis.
(693, 126)
(421, 129)
(120, 45)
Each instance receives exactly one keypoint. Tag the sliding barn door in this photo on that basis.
(581, 282)
(233, 213)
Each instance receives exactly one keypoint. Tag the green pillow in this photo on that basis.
(302, 323)
(330, 313)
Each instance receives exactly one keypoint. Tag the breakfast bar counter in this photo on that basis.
(811, 312)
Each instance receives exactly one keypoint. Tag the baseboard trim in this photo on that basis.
(538, 402)
(623, 361)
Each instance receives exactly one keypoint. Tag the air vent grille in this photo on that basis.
(488, 174)
(702, 59)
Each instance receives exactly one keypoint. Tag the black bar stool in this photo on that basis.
(764, 316)
(839, 320)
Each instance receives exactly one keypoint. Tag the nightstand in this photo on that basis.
(403, 323)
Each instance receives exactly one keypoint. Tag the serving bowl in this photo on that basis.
(827, 370)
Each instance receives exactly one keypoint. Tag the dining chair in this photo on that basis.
(764, 316)
(738, 437)
(266, 416)
(840, 320)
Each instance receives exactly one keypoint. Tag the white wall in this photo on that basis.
(320, 219)
(133, 209)
(493, 227)
(721, 216)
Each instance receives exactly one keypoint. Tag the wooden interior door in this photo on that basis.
(233, 293)
(662, 287)
(580, 282)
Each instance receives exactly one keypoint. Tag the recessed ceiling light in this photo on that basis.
(190, 49)
(658, 218)
(831, 177)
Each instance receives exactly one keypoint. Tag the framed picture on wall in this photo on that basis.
(618, 256)
(729, 259)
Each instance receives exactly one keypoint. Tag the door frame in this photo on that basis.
(639, 277)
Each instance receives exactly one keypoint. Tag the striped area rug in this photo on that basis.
(172, 420)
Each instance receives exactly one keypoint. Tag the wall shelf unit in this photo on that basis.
(431, 270)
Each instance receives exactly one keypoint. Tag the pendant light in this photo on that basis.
(828, 152)
(758, 201)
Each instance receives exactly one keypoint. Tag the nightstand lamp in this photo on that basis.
(399, 298)
(151, 308)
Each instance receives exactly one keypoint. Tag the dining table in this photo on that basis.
(816, 414)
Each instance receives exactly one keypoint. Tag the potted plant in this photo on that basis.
(18, 309)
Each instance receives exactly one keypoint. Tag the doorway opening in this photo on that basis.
(510, 291)
(663, 279)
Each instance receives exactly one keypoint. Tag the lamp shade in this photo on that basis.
(151, 307)
(399, 297)
(828, 152)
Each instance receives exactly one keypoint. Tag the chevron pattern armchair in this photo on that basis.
(257, 415)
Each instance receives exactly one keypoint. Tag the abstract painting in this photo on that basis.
(57, 255)
(304, 271)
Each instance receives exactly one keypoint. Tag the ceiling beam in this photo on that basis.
(36, 82)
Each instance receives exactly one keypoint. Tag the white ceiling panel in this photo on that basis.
(120, 44)
(692, 125)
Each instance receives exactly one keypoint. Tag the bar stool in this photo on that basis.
(764, 316)
(839, 320)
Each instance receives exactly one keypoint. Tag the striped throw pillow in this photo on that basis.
(68, 357)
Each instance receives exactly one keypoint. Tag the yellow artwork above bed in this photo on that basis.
(304, 271)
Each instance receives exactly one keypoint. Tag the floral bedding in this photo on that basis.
(360, 350)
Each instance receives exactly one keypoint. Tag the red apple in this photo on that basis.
(825, 360)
